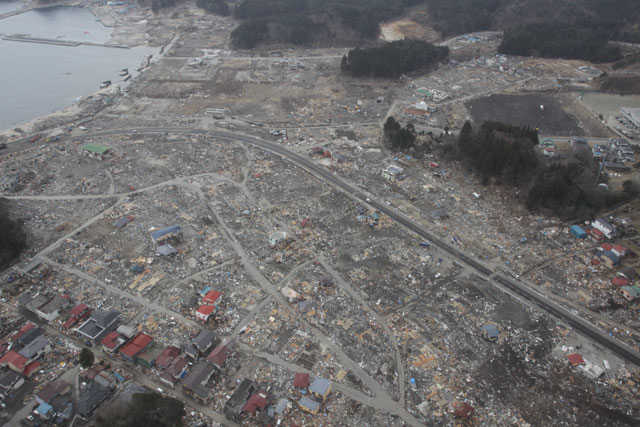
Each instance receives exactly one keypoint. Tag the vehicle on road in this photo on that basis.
(425, 244)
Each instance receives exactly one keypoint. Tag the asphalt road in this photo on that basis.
(580, 325)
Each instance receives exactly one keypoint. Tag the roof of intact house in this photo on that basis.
(166, 357)
(310, 404)
(222, 352)
(91, 397)
(319, 385)
(79, 309)
(111, 340)
(256, 401)
(301, 380)
(206, 310)
(34, 347)
(204, 338)
(136, 345)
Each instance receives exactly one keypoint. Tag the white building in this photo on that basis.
(631, 114)
(603, 225)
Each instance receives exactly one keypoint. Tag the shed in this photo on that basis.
(578, 232)
(491, 332)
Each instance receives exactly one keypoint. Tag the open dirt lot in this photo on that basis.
(524, 110)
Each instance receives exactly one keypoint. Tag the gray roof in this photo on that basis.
(198, 376)
(37, 302)
(91, 397)
(320, 385)
(166, 250)
(309, 403)
(281, 406)
(159, 234)
(34, 347)
(29, 336)
(98, 322)
(204, 339)
(8, 379)
(491, 331)
(105, 318)
(240, 396)
(55, 304)
(30, 265)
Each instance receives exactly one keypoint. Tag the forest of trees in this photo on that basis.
(559, 40)
(305, 22)
(398, 138)
(617, 18)
(145, 410)
(218, 7)
(393, 59)
(505, 154)
(12, 237)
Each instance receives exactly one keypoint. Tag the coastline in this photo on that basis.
(84, 107)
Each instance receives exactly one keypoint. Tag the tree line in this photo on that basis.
(393, 59)
(305, 22)
(13, 239)
(616, 18)
(505, 154)
(559, 40)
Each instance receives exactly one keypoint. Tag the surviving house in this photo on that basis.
(112, 341)
(99, 324)
(219, 355)
(201, 343)
(52, 309)
(320, 387)
(90, 398)
(136, 346)
(204, 312)
(166, 357)
(233, 406)
(610, 259)
(174, 372)
(78, 313)
(195, 384)
(604, 227)
(309, 405)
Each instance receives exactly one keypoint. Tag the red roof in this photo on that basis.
(166, 357)
(619, 281)
(619, 248)
(14, 359)
(221, 353)
(31, 367)
(70, 322)
(111, 340)
(597, 233)
(575, 359)
(464, 410)
(206, 310)
(257, 401)
(301, 380)
(211, 297)
(136, 345)
(606, 246)
(595, 262)
(79, 309)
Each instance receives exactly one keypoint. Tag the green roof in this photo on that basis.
(96, 148)
(424, 92)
